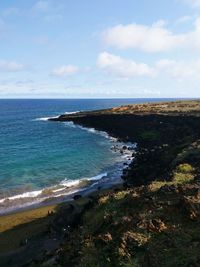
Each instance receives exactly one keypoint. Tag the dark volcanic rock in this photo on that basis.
(76, 197)
(158, 143)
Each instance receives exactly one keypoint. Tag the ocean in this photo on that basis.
(42, 160)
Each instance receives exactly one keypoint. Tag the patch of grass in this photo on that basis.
(120, 195)
(182, 178)
(156, 185)
(149, 135)
(183, 173)
(92, 222)
(185, 168)
(103, 200)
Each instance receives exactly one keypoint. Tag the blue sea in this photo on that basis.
(40, 159)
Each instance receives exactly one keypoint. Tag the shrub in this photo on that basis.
(185, 168)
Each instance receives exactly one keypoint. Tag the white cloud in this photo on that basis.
(154, 38)
(11, 66)
(123, 67)
(179, 70)
(64, 71)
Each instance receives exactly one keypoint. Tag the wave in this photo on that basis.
(31, 194)
(46, 118)
(98, 177)
(90, 130)
(65, 188)
(71, 124)
(72, 112)
(55, 117)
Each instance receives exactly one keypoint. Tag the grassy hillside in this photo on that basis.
(155, 225)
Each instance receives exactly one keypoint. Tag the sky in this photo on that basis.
(99, 49)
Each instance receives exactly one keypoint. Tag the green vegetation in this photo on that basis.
(149, 135)
(185, 168)
(137, 228)
(183, 173)
(141, 227)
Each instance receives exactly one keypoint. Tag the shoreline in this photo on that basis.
(65, 191)
(24, 230)
(158, 202)
(88, 120)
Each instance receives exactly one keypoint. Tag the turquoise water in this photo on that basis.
(36, 153)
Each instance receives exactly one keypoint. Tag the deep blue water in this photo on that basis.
(35, 154)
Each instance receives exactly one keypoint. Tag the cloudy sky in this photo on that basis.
(99, 49)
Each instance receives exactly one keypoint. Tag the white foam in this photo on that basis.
(65, 184)
(72, 112)
(31, 194)
(98, 177)
(46, 118)
(70, 124)
(90, 130)
(72, 183)
(69, 183)
(66, 187)
(55, 117)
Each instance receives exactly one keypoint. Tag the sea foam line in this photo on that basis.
(66, 184)
(45, 118)
(90, 130)
(55, 117)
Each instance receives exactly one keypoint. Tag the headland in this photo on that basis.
(150, 220)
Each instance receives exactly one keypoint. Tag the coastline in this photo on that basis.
(102, 122)
(153, 198)
(65, 191)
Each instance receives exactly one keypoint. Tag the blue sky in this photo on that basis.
(99, 49)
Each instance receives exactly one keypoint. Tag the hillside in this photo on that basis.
(154, 219)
